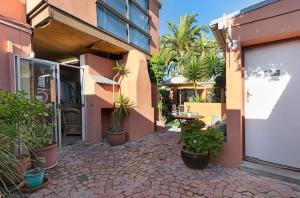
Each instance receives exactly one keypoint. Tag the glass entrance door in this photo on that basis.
(39, 79)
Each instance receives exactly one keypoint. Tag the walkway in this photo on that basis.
(151, 167)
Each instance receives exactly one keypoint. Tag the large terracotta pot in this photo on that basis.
(24, 165)
(194, 160)
(161, 126)
(115, 139)
(49, 154)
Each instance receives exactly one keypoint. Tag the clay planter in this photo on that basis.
(194, 160)
(115, 139)
(25, 162)
(49, 154)
(160, 126)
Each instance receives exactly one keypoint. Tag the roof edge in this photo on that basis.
(243, 11)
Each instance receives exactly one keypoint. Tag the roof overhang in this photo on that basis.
(218, 26)
(58, 36)
(104, 80)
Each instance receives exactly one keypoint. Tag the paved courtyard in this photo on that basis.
(151, 167)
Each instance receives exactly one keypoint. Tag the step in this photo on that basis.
(271, 171)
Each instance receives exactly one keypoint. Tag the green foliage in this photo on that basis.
(198, 99)
(203, 141)
(27, 118)
(181, 41)
(160, 107)
(212, 66)
(120, 112)
(157, 69)
(174, 123)
(193, 125)
(192, 72)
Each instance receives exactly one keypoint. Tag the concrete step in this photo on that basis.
(271, 171)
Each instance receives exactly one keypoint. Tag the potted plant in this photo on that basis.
(199, 145)
(34, 177)
(161, 122)
(116, 134)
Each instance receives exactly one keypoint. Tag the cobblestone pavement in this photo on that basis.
(151, 167)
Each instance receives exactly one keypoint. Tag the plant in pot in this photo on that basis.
(116, 134)
(161, 122)
(199, 145)
(39, 134)
(34, 177)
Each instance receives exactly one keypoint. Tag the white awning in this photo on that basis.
(104, 80)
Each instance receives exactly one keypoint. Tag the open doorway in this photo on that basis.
(71, 105)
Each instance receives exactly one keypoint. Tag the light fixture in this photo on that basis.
(32, 54)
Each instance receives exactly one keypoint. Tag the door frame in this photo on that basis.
(58, 132)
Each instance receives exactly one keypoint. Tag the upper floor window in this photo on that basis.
(143, 3)
(118, 5)
(111, 23)
(138, 17)
(126, 19)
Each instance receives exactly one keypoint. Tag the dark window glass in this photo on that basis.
(139, 39)
(143, 3)
(111, 23)
(138, 17)
(118, 5)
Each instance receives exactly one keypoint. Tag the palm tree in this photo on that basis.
(193, 72)
(177, 45)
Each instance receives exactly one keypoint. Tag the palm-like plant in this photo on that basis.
(213, 66)
(121, 72)
(193, 72)
(180, 41)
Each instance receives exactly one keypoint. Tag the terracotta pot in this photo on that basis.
(194, 160)
(24, 165)
(115, 139)
(49, 154)
(161, 126)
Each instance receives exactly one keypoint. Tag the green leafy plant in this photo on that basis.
(120, 112)
(157, 69)
(121, 72)
(198, 99)
(193, 72)
(194, 125)
(203, 142)
(161, 117)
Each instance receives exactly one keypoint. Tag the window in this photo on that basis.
(143, 3)
(138, 17)
(131, 25)
(118, 5)
(139, 39)
(111, 23)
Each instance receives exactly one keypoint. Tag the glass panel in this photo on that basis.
(118, 5)
(139, 39)
(143, 3)
(111, 23)
(138, 17)
(37, 79)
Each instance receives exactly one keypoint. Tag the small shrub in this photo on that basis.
(203, 142)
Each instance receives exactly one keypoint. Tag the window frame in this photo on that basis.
(130, 24)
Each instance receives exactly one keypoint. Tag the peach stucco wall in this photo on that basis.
(274, 22)
(137, 87)
(12, 41)
(154, 26)
(206, 109)
(98, 96)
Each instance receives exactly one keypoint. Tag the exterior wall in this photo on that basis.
(13, 10)
(206, 109)
(12, 41)
(98, 97)
(154, 26)
(137, 87)
(274, 22)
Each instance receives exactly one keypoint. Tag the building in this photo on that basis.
(63, 52)
(262, 49)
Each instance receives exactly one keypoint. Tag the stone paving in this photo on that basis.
(151, 167)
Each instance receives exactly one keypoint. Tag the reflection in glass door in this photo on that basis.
(38, 79)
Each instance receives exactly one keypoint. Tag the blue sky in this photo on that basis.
(207, 10)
